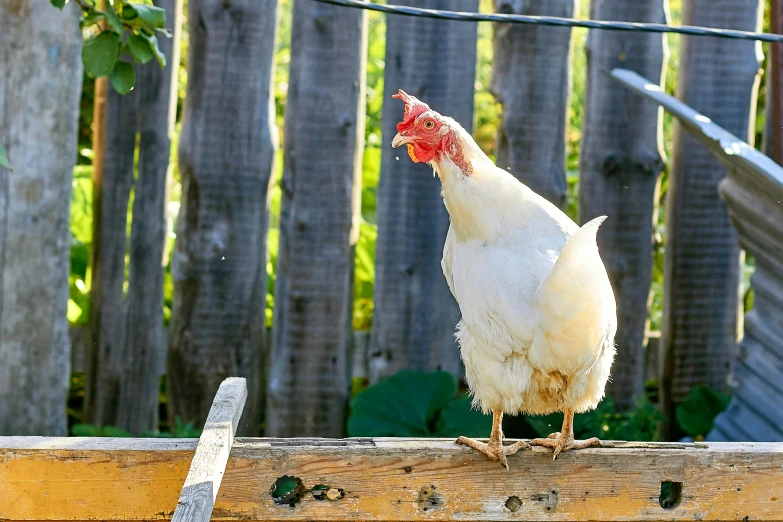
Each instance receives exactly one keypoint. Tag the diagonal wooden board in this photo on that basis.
(197, 498)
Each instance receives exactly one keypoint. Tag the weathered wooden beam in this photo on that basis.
(620, 166)
(392, 479)
(753, 193)
(209, 462)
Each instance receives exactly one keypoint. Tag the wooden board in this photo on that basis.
(209, 461)
(390, 479)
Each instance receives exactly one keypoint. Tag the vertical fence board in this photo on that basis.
(719, 79)
(532, 80)
(226, 151)
(620, 164)
(415, 314)
(40, 83)
(127, 327)
(324, 136)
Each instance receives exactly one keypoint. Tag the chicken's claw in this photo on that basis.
(559, 443)
(495, 450)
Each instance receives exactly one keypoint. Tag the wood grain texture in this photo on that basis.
(309, 380)
(620, 166)
(719, 79)
(40, 85)
(753, 192)
(391, 479)
(209, 461)
(226, 152)
(415, 314)
(532, 80)
(127, 324)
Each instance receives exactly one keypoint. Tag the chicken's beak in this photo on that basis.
(399, 139)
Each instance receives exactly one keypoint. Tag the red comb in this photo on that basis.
(413, 108)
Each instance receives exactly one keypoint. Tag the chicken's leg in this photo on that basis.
(494, 449)
(564, 440)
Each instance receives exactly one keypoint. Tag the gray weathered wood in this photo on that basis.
(621, 163)
(775, 87)
(226, 151)
(415, 314)
(532, 79)
(753, 192)
(122, 384)
(40, 85)
(209, 462)
(718, 78)
(309, 383)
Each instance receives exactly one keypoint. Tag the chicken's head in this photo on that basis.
(421, 129)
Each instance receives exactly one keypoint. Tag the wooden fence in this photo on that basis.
(226, 155)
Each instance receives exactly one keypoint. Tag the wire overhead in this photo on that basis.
(556, 21)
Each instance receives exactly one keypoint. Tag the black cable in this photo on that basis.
(556, 21)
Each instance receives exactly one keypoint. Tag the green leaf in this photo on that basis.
(111, 431)
(91, 18)
(85, 430)
(114, 21)
(4, 162)
(458, 418)
(151, 16)
(59, 4)
(697, 412)
(140, 48)
(99, 54)
(123, 77)
(402, 405)
(153, 43)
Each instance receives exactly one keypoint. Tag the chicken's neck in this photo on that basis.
(481, 199)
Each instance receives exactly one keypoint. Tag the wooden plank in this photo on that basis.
(209, 462)
(40, 85)
(531, 78)
(319, 222)
(620, 166)
(391, 479)
(701, 319)
(415, 314)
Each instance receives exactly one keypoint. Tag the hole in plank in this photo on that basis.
(287, 490)
(513, 503)
(671, 494)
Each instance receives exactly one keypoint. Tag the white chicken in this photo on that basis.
(538, 312)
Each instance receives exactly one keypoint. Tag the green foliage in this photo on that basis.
(135, 22)
(641, 423)
(181, 431)
(89, 430)
(4, 159)
(415, 404)
(123, 77)
(697, 412)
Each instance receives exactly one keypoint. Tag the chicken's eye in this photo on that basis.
(429, 124)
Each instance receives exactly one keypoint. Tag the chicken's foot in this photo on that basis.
(494, 449)
(564, 440)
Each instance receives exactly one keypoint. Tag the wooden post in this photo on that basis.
(532, 79)
(621, 163)
(40, 84)
(415, 314)
(719, 79)
(209, 462)
(138, 480)
(226, 151)
(123, 386)
(753, 192)
(319, 222)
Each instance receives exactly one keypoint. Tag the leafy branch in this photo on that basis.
(122, 29)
